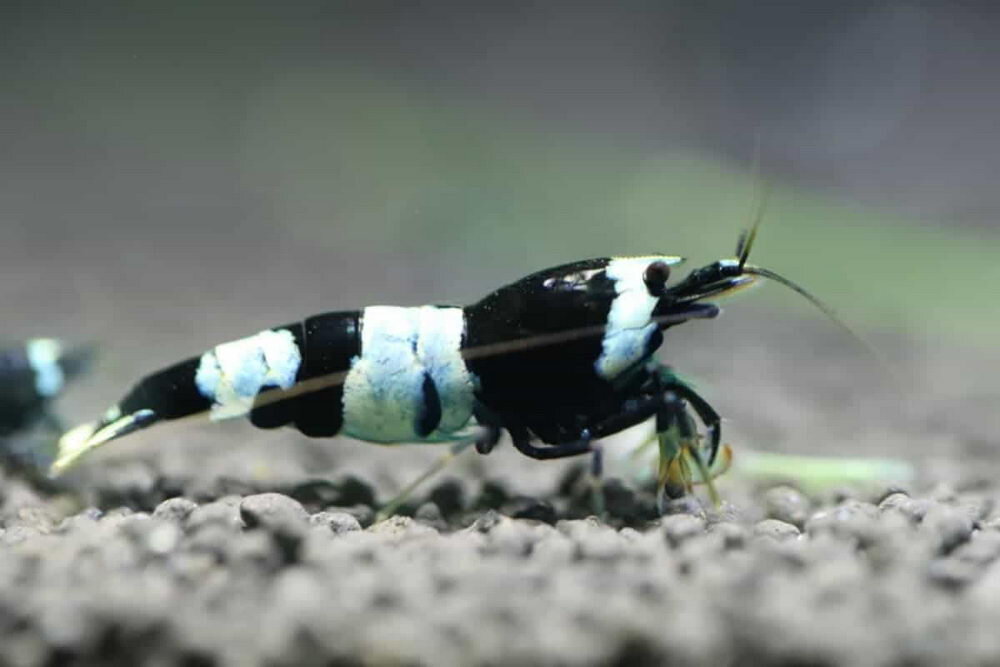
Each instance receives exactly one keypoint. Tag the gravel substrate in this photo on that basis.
(305, 577)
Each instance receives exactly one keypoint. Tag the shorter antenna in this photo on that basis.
(747, 237)
(761, 190)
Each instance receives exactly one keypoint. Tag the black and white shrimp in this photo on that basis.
(32, 374)
(559, 359)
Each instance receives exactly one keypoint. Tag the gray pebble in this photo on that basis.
(224, 511)
(684, 505)
(15, 494)
(983, 548)
(904, 505)
(851, 518)
(951, 573)
(92, 513)
(950, 526)
(605, 545)
(594, 540)
(554, 550)
(726, 512)
(153, 536)
(213, 539)
(363, 513)
(83, 520)
(256, 549)
(174, 509)
(40, 517)
(581, 528)
(401, 526)
(516, 538)
(787, 504)
(337, 522)
(678, 528)
(733, 535)
(191, 566)
(116, 519)
(486, 521)
(273, 511)
(776, 530)
(429, 513)
(15, 534)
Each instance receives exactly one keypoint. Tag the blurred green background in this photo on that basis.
(402, 153)
(177, 174)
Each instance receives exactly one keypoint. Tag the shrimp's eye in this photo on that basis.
(656, 276)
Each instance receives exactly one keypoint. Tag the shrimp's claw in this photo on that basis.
(680, 472)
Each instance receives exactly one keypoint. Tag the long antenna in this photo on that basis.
(814, 300)
(826, 310)
(745, 244)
